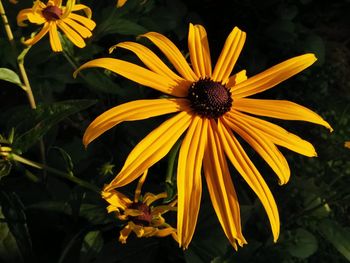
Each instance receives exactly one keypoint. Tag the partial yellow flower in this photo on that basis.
(120, 3)
(347, 144)
(142, 218)
(213, 110)
(53, 16)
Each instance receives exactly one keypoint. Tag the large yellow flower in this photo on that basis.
(142, 218)
(213, 108)
(52, 16)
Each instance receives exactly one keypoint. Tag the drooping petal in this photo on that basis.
(221, 189)
(36, 18)
(173, 54)
(236, 79)
(280, 109)
(124, 234)
(116, 199)
(273, 76)
(189, 182)
(151, 149)
(262, 145)
(150, 59)
(251, 175)
(139, 187)
(83, 31)
(199, 50)
(83, 20)
(149, 198)
(73, 36)
(85, 8)
(54, 38)
(22, 16)
(229, 55)
(278, 135)
(140, 75)
(68, 8)
(37, 37)
(134, 110)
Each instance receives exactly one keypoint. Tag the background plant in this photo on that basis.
(50, 211)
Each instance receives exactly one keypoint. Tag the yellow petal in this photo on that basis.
(38, 36)
(189, 182)
(140, 75)
(23, 15)
(229, 55)
(68, 8)
(116, 199)
(278, 135)
(83, 31)
(36, 18)
(120, 3)
(273, 76)
(262, 145)
(199, 50)
(150, 59)
(221, 189)
(236, 78)
(85, 8)
(83, 20)
(173, 54)
(151, 149)
(124, 234)
(149, 198)
(251, 175)
(139, 186)
(54, 38)
(165, 232)
(280, 109)
(73, 36)
(131, 111)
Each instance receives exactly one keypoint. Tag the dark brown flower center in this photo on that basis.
(209, 99)
(52, 13)
(144, 219)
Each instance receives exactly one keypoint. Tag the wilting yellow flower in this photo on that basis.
(213, 108)
(120, 3)
(143, 219)
(347, 144)
(52, 16)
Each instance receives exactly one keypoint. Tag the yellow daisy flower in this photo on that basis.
(53, 16)
(143, 219)
(213, 108)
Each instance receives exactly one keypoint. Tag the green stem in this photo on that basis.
(68, 176)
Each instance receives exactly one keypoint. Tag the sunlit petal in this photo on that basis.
(83, 20)
(236, 79)
(54, 38)
(251, 175)
(38, 36)
(83, 31)
(173, 54)
(199, 50)
(280, 109)
(189, 183)
(273, 76)
(131, 111)
(151, 149)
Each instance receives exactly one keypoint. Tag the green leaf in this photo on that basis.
(46, 116)
(92, 245)
(67, 159)
(13, 214)
(124, 27)
(337, 235)
(5, 168)
(10, 76)
(303, 244)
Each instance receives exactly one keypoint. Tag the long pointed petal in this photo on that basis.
(82, 30)
(83, 20)
(140, 75)
(73, 36)
(40, 35)
(85, 8)
(236, 79)
(229, 55)
(150, 59)
(221, 189)
(189, 182)
(262, 145)
(131, 111)
(273, 76)
(151, 149)
(173, 54)
(199, 50)
(278, 135)
(280, 109)
(54, 38)
(251, 175)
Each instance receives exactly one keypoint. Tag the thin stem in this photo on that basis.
(6, 24)
(68, 176)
